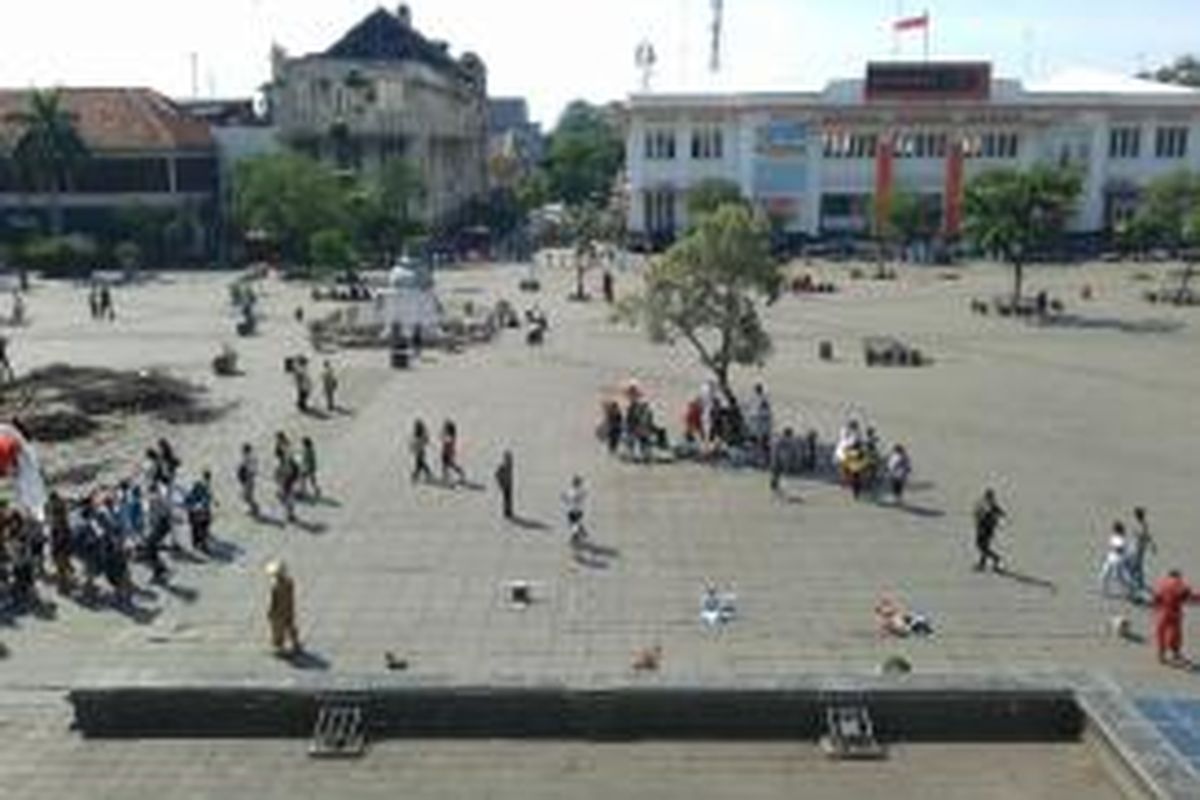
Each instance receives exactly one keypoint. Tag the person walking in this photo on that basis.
(898, 468)
(58, 518)
(287, 481)
(281, 610)
(329, 385)
(761, 421)
(782, 456)
(988, 515)
(450, 453)
(1116, 560)
(5, 366)
(504, 481)
(159, 514)
(303, 385)
(418, 444)
(199, 503)
(308, 468)
(1143, 544)
(247, 476)
(573, 499)
(1170, 595)
(613, 425)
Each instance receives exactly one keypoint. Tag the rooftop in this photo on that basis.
(384, 36)
(115, 119)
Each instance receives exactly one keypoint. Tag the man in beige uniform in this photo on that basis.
(281, 613)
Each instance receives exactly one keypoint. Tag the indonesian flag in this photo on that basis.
(911, 23)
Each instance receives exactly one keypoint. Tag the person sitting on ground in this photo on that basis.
(895, 620)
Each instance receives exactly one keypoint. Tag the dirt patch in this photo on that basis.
(61, 402)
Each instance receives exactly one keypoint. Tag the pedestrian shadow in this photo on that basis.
(1026, 579)
(307, 660)
(1136, 326)
(926, 512)
(274, 522)
(341, 411)
(139, 615)
(315, 413)
(791, 498)
(594, 556)
(223, 551)
(323, 500)
(471, 486)
(314, 528)
(528, 524)
(184, 594)
(185, 555)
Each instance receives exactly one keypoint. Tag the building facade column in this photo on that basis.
(885, 178)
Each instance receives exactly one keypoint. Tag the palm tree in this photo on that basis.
(49, 150)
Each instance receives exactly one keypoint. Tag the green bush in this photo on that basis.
(60, 256)
(331, 249)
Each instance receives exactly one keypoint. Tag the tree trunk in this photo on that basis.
(1018, 277)
(722, 374)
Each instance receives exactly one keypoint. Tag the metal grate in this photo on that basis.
(850, 733)
(338, 732)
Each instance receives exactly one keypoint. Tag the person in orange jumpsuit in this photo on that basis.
(1170, 595)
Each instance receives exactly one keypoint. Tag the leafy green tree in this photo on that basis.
(586, 153)
(1017, 214)
(710, 194)
(706, 291)
(289, 197)
(1166, 209)
(533, 190)
(908, 218)
(49, 150)
(1184, 71)
(331, 249)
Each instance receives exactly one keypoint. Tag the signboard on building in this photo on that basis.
(781, 138)
(929, 81)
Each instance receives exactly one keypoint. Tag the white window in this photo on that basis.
(1124, 143)
(660, 144)
(658, 211)
(708, 144)
(1171, 142)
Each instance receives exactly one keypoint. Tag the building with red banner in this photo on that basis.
(827, 163)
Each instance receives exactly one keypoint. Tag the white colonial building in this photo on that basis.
(825, 162)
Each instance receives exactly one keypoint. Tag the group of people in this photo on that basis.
(297, 367)
(100, 534)
(100, 303)
(862, 465)
(632, 428)
(294, 475)
(1125, 559)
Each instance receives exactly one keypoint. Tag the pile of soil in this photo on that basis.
(61, 402)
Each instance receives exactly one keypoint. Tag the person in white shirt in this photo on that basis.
(1115, 566)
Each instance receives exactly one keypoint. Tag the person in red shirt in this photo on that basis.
(1170, 595)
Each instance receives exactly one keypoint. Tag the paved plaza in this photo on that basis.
(1072, 423)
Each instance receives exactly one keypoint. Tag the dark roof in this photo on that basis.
(117, 119)
(382, 36)
(506, 113)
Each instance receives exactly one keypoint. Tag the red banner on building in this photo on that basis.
(885, 154)
(953, 200)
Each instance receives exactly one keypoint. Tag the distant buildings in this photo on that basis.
(146, 153)
(384, 91)
(515, 145)
(824, 162)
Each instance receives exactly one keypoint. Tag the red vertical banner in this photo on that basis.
(952, 202)
(885, 155)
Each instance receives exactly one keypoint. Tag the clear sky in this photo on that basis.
(551, 51)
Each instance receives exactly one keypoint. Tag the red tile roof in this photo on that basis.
(120, 119)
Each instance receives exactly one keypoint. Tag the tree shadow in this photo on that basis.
(1139, 326)
(525, 523)
(1026, 579)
